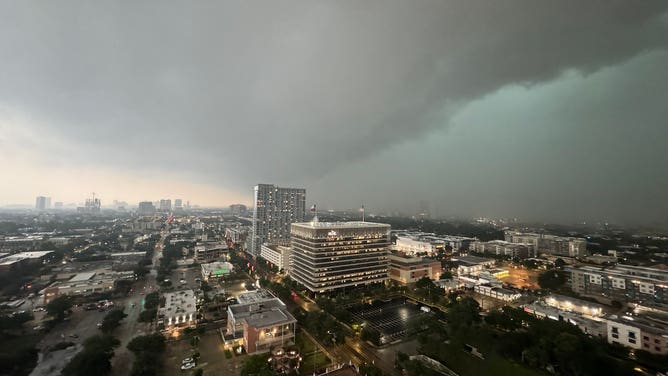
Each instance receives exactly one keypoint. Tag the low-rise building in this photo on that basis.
(473, 265)
(624, 283)
(216, 270)
(86, 283)
(278, 255)
(18, 260)
(497, 293)
(594, 326)
(503, 248)
(641, 332)
(261, 320)
(180, 310)
(210, 251)
(409, 269)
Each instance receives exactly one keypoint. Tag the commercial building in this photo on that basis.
(409, 269)
(594, 326)
(332, 255)
(497, 293)
(278, 255)
(624, 283)
(473, 265)
(260, 321)
(503, 248)
(86, 283)
(216, 270)
(416, 242)
(210, 251)
(16, 243)
(178, 204)
(145, 208)
(180, 310)
(275, 210)
(550, 244)
(19, 260)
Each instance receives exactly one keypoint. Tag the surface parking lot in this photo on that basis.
(388, 317)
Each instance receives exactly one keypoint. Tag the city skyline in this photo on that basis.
(517, 109)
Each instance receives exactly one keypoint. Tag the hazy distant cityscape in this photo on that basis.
(328, 188)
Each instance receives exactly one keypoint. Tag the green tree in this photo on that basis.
(112, 320)
(370, 370)
(551, 279)
(148, 315)
(148, 351)
(152, 300)
(256, 365)
(59, 307)
(95, 358)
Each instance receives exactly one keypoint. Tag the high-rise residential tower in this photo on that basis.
(42, 203)
(165, 205)
(274, 210)
(331, 255)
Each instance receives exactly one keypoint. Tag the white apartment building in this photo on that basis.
(278, 255)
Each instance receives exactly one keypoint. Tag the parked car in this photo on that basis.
(187, 360)
(188, 366)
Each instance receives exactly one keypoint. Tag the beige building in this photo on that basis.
(409, 269)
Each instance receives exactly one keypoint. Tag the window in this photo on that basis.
(615, 335)
(646, 338)
(632, 340)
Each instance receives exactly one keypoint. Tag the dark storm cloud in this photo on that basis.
(241, 92)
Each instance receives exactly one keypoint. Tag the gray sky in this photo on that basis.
(535, 109)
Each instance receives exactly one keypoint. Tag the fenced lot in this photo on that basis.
(389, 317)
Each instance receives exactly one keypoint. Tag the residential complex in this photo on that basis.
(332, 255)
(624, 283)
(42, 203)
(278, 255)
(501, 247)
(550, 244)
(275, 208)
(145, 208)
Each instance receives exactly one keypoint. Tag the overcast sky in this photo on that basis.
(548, 110)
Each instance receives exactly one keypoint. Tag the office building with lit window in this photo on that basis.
(274, 210)
(333, 255)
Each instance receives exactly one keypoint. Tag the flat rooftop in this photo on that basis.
(254, 297)
(80, 277)
(356, 224)
(473, 260)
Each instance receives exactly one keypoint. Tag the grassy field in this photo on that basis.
(454, 357)
(313, 358)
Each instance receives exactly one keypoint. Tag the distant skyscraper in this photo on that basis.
(331, 255)
(165, 205)
(178, 204)
(145, 208)
(42, 203)
(91, 206)
(275, 209)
